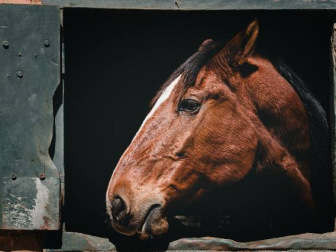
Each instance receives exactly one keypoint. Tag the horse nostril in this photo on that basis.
(118, 208)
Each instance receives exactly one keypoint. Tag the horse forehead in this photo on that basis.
(208, 81)
(166, 93)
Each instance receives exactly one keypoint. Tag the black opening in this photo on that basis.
(116, 60)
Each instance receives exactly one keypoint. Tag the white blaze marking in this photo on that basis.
(164, 96)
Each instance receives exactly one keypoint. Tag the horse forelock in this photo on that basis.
(190, 69)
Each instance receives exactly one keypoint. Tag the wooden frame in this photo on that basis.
(197, 4)
(304, 241)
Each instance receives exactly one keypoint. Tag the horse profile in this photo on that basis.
(232, 126)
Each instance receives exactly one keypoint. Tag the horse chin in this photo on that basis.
(129, 230)
(154, 223)
(149, 223)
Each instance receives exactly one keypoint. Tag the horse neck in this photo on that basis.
(280, 112)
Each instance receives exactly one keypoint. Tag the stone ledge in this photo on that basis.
(307, 241)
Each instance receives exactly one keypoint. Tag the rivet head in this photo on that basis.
(5, 44)
(42, 176)
(20, 54)
(13, 176)
(46, 43)
(19, 74)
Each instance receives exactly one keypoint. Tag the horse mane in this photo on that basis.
(321, 163)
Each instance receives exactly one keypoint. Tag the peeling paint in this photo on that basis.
(38, 214)
(30, 203)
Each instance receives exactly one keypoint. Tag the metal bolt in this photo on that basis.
(19, 74)
(42, 176)
(46, 43)
(5, 44)
(13, 176)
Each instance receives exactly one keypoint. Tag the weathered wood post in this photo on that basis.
(29, 76)
(333, 113)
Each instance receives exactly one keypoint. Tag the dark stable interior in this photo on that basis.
(116, 60)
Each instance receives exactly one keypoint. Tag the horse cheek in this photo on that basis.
(232, 167)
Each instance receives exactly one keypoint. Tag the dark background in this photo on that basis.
(116, 60)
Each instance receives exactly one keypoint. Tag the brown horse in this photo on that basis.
(226, 116)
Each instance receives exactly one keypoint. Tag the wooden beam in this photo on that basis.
(197, 4)
(20, 1)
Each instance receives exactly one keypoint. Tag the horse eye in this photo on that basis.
(189, 105)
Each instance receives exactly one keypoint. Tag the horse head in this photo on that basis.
(209, 127)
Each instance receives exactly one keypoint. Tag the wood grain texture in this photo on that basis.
(197, 4)
(20, 1)
(114, 4)
(306, 241)
(72, 241)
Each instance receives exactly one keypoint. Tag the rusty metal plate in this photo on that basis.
(27, 204)
(29, 76)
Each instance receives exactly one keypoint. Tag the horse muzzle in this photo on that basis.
(147, 219)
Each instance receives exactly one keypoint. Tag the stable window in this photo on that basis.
(116, 61)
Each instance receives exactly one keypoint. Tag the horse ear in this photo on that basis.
(238, 49)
